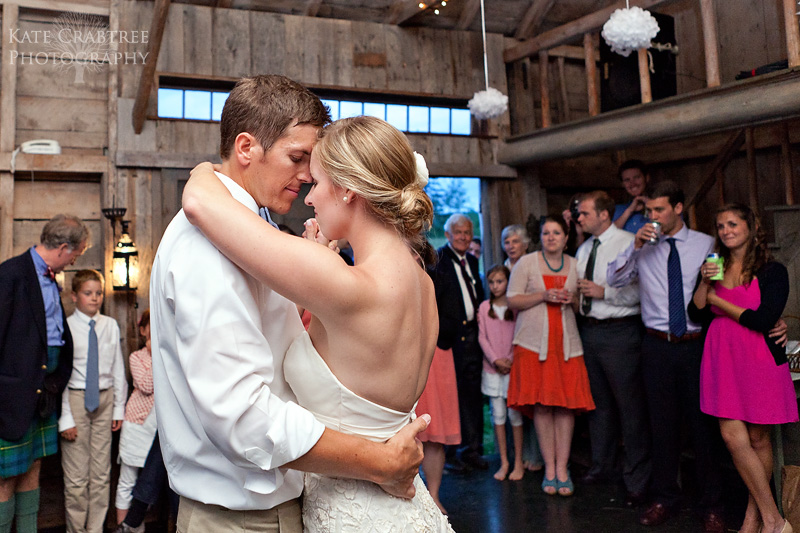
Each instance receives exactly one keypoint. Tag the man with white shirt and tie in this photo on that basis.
(667, 265)
(459, 291)
(231, 432)
(611, 332)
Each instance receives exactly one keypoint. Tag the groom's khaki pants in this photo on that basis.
(196, 517)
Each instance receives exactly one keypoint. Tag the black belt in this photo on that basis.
(616, 320)
(669, 337)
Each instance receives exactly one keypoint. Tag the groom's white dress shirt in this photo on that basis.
(227, 419)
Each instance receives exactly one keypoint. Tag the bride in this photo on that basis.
(364, 361)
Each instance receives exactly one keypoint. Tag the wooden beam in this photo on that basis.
(644, 76)
(149, 68)
(790, 8)
(720, 179)
(710, 42)
(592, 87)
(468, 14)
(8, 127)
(734, 142)
(402, 10)
(85, 7)
(224, 4)
(532, 19)
(571, 52)
(312, 8)
(88, 164)
(760, 100)
(571, 30)
(544, 88)
(786, 163)
(752, 169)
(565, 109)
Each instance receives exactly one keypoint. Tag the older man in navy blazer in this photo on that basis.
(35, 364)
(458, 292)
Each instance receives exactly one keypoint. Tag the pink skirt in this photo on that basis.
(440, 400)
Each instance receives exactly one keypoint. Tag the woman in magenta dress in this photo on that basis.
(744, 375)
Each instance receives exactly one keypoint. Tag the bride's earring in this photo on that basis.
(344, 199)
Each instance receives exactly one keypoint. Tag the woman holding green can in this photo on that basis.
(744, 375)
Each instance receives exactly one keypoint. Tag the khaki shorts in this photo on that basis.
(196, 517)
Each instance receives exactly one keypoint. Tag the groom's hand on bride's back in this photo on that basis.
(405, 456)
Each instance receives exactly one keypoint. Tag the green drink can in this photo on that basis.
(719, 261)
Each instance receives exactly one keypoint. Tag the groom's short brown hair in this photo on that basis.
(266, 106)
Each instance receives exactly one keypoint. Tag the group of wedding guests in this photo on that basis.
(639, 331)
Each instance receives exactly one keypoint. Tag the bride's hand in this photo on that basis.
(406, 451)
(201, 190)
(312, 232)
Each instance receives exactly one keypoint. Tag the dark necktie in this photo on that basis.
(677, 310)
(586, 306)
(468, 282)
(91, 398)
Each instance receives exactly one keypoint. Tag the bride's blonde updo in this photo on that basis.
(374, 160)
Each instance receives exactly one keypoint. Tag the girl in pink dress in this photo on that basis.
(496, 336)
(744, 375)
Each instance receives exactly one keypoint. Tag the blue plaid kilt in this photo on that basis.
(40, 440)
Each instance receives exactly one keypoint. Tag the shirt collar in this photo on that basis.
(84, 317)
(238, 192)
(458, 255)
(38, 262)
(607, 234)
(682, 234)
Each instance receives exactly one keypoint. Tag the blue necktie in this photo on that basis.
(677, 311)
(91, 398)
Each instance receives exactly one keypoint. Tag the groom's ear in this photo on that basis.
(246, 149)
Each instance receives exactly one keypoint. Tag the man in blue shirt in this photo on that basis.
(635, 177)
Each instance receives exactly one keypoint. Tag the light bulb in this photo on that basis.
(436, 11)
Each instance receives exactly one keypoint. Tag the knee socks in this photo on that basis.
(27, 511)
(6, 515)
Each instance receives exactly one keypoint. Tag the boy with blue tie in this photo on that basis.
(93, 406)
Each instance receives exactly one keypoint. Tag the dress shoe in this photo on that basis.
(654, 515)
(456, 466)
(475, 461)
(633, 499)
(714, 523)
(594, 478)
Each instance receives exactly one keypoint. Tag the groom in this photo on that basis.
(234, 440)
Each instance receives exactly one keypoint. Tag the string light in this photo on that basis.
(435, 11)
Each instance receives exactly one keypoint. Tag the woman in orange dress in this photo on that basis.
(548, 379)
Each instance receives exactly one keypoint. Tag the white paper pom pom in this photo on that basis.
(629, 29)
(488, 104)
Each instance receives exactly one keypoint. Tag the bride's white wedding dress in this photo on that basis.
(347, 505)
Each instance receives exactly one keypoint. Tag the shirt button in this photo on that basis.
(38, 391)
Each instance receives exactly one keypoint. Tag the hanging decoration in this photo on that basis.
(490, 103)
(629, 29)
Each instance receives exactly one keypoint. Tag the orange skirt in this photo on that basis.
(440, 400)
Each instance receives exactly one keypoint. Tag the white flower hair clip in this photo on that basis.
(422, 170)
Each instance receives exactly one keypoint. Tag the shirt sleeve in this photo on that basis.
(623, 269)
(141, 373)
(228, 364)
(518, 281)
(118, 374)
(483, 332)
(626, 296)
(773, 280)
(65, 421)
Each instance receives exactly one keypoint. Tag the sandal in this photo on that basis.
(550, 484)
(567, 485)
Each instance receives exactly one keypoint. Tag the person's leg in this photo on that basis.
(75, 460)
(564, 423)
(498, 408)
(516, 431)
(432, 467)
(127, 480)
(531, 455)
(100, 463)
(27, 510)
(7, 502)
(545, 431)
(737, 438)
(603, 423)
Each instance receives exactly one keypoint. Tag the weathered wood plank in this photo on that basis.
(198, 43)
(644, 76)
(710, 42)
(790, 8)
(532, 19)
(367, 38)
(8, 79)
(231, 38)
(468, 14)
(86, 7)
(32, 198)
(544, 88)
(171, 56)
(267, 43)
(147, 78)
(403, 60)
(55, 163)
(61, 114)
(592, 82)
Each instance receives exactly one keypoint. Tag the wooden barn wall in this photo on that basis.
(229, 43)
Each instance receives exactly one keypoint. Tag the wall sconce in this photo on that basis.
(125, 260)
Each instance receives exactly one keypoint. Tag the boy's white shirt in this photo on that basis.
(110, 363)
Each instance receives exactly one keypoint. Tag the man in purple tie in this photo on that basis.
(459, 290)
(667, 264)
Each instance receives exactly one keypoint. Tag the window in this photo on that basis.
(200, 104)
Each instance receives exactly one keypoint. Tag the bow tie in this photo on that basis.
(50, 274)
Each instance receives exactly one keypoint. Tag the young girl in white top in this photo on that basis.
(495, 335)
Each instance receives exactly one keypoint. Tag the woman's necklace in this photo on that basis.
(548, 263)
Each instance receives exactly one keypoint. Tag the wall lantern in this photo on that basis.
(125, 260)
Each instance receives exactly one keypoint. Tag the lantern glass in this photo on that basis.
(125, 263)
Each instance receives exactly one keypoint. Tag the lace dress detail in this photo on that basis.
(338, 505)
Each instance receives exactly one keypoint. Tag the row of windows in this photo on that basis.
(207, 105)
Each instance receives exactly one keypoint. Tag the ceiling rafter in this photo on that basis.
(468, 14)
(532, 19)
(402, 10)
(312, 8)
